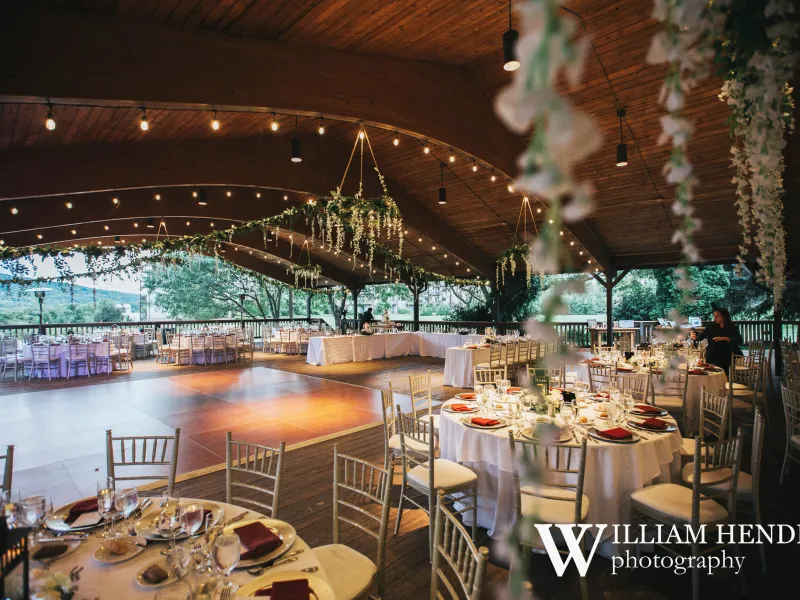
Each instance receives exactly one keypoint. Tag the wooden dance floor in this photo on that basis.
(59, 433)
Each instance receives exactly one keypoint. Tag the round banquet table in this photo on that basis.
(613, 471)
(97, 579)
(713, 382)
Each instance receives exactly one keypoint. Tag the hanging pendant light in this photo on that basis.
(143, 124)
(510, 37)
(296, 149)
(50, 123)
(442, 189)
(622, 147)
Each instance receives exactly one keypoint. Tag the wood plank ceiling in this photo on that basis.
(632, 224)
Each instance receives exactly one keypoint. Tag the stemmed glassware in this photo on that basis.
(10, 507)
(106, 504)
(627, 402)
(225, 553)
(34, 511)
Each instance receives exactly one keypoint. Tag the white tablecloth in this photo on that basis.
(399, 344)
(331, 350)
(713, 382)
(117, 581)
(459, 364)
(101, 349)
(613, 472)
(436, 344)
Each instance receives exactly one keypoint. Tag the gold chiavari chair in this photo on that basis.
(497, 357)
(484, 376)
(791, 412)
(143, 451)
(255, 462)
(361, 499)
(8, 467)
(422, 397)
(452, 547)
(599, 377)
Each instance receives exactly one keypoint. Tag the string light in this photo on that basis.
(274, 125)
(143, 124)
(538, 210)
(452, 156)
(39, 236)
(105, 227)
(458, 263)
(285, 198)
(474, 167)
(258, 194)
(560, 233)
(510, 188)
(211, 224)
(136, 225)
(50, 123)
(321, 129)
(215, 122)
(396, 140)
(188, 223)
(68, 205)
(14, 211)
(361, 134)
(194, 194)
(73, 232)
(115, 201)
(580, 253)
(433, 248)
(427, 148)
(445, 255)
(550, 221)
(228, 194)
(572, 243)
(419, 240)
(494, 177)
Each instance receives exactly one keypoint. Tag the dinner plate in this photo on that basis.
(285, 531)
(639, 413)
(71, 545)
(320, 590)
(141, 582)
(56, 520)
(503, 423)
(566, 435)
(147, 525)
(639, 425)
(472, 396)
(103, 556)
(631, 440)
(473, 409)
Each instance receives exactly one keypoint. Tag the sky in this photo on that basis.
(123, 283)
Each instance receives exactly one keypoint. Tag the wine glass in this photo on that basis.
(566, 415)
(191, 517)
(627, 402)
(225, 552)
(11, 507)
(106, 500)
(613, 410)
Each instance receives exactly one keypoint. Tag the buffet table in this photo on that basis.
(613, 471)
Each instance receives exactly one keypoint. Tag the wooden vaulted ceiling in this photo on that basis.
(426, 69)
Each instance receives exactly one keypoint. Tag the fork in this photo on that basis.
(226, 593)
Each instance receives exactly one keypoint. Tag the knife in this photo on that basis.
(236, 519)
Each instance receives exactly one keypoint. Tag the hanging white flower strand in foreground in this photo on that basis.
(762, 110)
(562, 136)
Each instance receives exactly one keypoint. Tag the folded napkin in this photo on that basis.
(646, 408)
(603, 394)
(615, 433)
(469, 396)
(624, 368)
(459, 407)
(291, 589)
(653, 423)
(81, 508)
(258, 539)
(513, 390)
(697, 371)
(485, 422)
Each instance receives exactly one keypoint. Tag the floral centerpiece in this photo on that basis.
(45, 585)
(367, 329)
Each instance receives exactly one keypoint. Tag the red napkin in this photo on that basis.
(697, 372)
(511, 390)
(646, 408)
(653, 423)
(466, 396)
(603, 394)
(459, 407)
(258, 540)
(81, 508)
(291, 589)
(485, 422)
(615, 433)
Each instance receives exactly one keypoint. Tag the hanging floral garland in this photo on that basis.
(760, 62)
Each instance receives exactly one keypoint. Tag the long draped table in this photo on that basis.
(613, 471)
(339, 349)
(61, 352)
(97, 579)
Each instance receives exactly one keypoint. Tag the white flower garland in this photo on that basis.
(762, 110)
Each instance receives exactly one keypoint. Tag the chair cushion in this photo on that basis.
(675, 501)
(486, 365)
(446, 474)
(669, 402)
(549, 510)
(349, 573)
(394, 444)
(745, 487)
(742, 405)
(738, 387)
(688, 444)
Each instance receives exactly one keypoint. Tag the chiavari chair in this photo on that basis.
(218, 350)
(599, 377)
(231, 347)
(484, 376)
(391, 436)
(361, 499)
(8, 467)
(453, 547)
(44, 358)
(255, 462)
(136, 452)
(671, 504)
(422, 397)
(791, 412)
(497, 357)
(199, 349)
(78, 355)
(11, 357)
(670, 394)
(638, 387)
(715, 421)
(288, 345)
(556, 496)
(459, 483)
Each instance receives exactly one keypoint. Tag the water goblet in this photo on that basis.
(627, 402)
(191, 517)
(613, 410)
(225, 553)
(106, 497)
(11, 507)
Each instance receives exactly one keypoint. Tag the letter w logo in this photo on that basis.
(573, 546)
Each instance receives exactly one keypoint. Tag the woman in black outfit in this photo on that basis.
(723, 339)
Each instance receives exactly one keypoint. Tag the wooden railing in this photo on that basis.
(258, 325)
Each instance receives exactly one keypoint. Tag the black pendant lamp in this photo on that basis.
(151, 223)
(622, 147)
(296, 147)
(510, 37)
(442, 189)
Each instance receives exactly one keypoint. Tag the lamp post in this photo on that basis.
(40, 293)
(241, 309)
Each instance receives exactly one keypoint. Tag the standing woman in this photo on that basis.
(723, 339)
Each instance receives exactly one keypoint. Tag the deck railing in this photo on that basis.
(258, 325)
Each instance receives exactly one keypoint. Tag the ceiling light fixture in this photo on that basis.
(202, 197)
(151, 224)
(274, 124)
(215, 122)
(68, 205)
(50, 123)
(321, 129)
(297, 155)
(622, 147)
(115, 201)
(442, 189)
(396, 140)
(426, 149)
(143, 124)
(510, 37)
(452, 156)
(493, 177)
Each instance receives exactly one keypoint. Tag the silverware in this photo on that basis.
(236, 519)
(282, 560)
(226, 593)
(310, 570)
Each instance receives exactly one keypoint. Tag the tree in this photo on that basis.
(107, 312)
(517, 300)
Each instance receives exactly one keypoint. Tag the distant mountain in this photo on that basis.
(59, 295)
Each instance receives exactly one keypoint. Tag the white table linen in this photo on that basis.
(613, 471)
(459, 364)
(713, 382)
(436, 344)
(398, 344)
(100, 349)
(97, 579)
